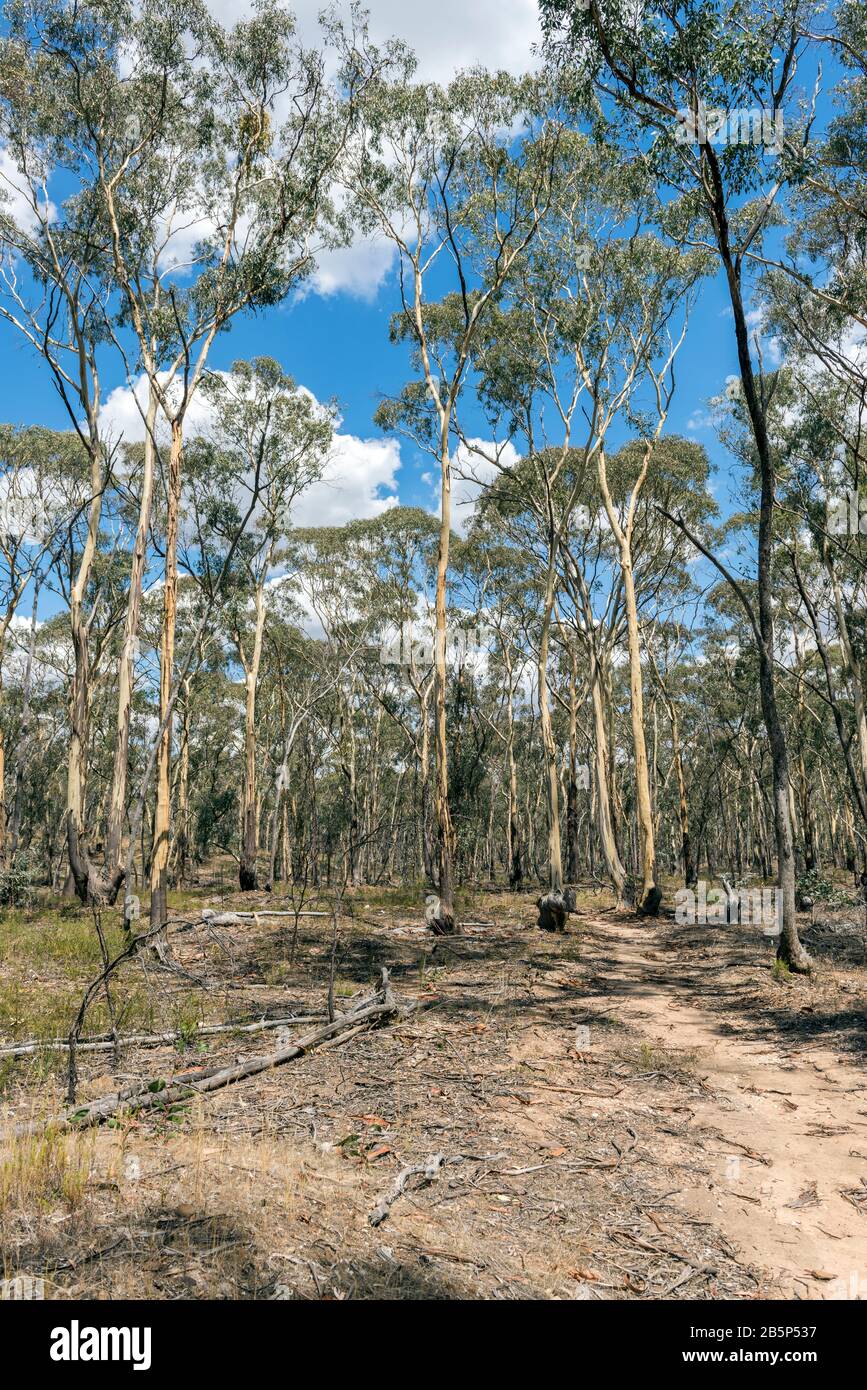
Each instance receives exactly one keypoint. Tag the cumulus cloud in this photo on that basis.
(360, 479)
(358, 269)
(497, 34)
(17, 196)
(445, 37)
(475, 466)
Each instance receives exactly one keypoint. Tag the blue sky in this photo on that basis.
(334, 339)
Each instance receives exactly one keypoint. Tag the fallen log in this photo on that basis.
(160, 1094)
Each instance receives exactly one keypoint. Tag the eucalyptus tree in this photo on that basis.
(267, 443)
(589, 604)
(816, 429)
(816, 304)
(593, 605)
(29, 457)
(506, 591)
(335, 577)
(815, 285)
(53, 294)
(458, 180)
(587, 335)
(300, 678)
(672, 675)
(54, 538)
(204, 158)
(711, 96)
(535, 503)
(400, 550)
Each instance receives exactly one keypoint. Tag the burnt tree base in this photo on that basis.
(553, 910)
(438, 919)
(649, 907)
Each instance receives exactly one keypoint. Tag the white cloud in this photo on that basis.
(16, 196)
(358, 269)
(475, 465)
(360, 481)
(122, 415)
(699, 420)
(360, 478)
(445, 38)
(450, 35)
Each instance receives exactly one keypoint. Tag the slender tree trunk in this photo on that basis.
(605, 824)
(85, 880)
(852, 672)
(181, 845)
(247, 876)
(689, 869)
(552, 909)
(162, 816)
(790, 949)
(649, 896)
(350, 774)
(19, 758)
(572, 822)
(113, 872)
(445, 828)
(3, 844)
(427, 864)
(516, 868)
(555, 862)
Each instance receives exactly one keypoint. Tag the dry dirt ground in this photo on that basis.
(632, 1110)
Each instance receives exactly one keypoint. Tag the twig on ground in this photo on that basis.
(426, 1171)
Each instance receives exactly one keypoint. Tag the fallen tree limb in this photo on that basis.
(160, 1094)
(228, 918)
(104, 1042)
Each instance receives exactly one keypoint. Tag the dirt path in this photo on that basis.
(791, 1118)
